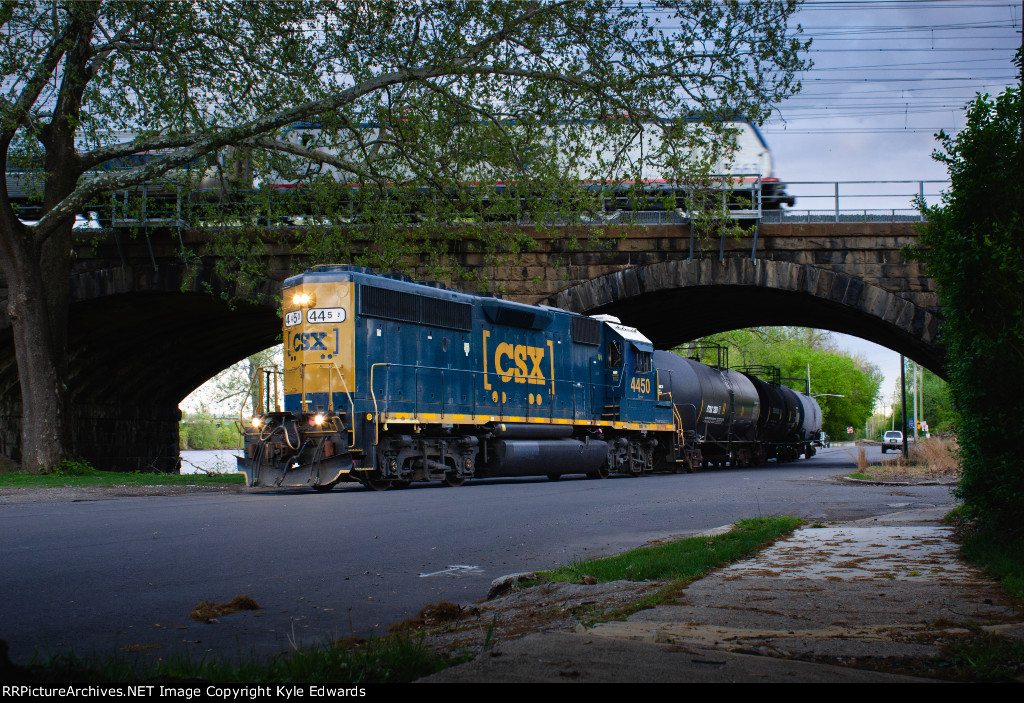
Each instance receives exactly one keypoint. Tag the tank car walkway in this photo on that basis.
(866, 594)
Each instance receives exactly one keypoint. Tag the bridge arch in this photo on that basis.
(673, 302)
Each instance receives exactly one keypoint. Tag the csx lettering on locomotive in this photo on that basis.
(314, 341)
(517, 370)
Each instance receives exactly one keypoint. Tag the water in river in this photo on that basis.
(209, 461)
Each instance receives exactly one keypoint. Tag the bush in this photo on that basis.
(974, 248)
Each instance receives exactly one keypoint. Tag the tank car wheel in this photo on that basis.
(453, 480)
(600, 473)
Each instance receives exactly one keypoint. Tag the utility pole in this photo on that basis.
(917, 417)
(924, 422)
(903, 410)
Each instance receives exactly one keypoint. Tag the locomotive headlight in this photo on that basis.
(302, 299)
(257, 421)
(319, 419)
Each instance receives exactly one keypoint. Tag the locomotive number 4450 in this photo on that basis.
(640, 385)
(325, 315)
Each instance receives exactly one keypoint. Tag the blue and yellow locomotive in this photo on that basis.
(387, 381)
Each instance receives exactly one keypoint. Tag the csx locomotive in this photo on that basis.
(387, 381)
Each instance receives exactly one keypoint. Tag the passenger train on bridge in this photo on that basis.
(187, 198)
(388, 381)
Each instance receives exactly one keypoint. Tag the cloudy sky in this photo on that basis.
(887, 76)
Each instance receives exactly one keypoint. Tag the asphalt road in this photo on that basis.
(123, 574)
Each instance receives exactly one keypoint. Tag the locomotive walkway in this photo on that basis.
(876, 595)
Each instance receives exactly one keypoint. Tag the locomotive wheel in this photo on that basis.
(375, 485)
(453, 480)
(400, 484)
(600, 473)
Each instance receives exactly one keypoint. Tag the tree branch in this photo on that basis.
(311, 154)
(34, 86)
(115, 43)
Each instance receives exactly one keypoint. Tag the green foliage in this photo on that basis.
(832, 373)
(71, 467)
(205, 432)
(683, 559)
(973, 245)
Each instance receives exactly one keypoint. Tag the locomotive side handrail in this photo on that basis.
(262, 373)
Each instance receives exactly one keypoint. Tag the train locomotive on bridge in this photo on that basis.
(388, 381)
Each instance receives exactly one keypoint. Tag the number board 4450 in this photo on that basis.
(318, 315)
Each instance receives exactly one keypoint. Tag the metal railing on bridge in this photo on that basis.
(825, 201)
(857, 201)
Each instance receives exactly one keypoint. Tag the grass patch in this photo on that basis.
(80, 476)
(684, 559)
(986, 657)
(393, 659)
(679, 562)
(860, 476)
(1000, 557)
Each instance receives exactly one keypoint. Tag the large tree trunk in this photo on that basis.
(38, 285)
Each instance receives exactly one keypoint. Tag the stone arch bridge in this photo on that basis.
(140, 340)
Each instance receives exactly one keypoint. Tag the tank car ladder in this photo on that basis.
(678, 446)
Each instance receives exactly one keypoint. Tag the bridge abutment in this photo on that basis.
(111, 436)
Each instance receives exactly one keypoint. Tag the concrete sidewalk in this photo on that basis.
(863, 594)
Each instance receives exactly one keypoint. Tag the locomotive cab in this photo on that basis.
(315, 428)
